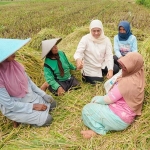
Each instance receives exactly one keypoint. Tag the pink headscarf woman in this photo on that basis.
(20, 99)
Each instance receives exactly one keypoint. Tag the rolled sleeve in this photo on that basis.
(114, 94)
(12, 104)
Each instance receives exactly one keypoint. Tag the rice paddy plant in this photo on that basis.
(24, 19)
(70, 19)
(28, 20)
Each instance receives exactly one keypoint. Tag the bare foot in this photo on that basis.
(44, 86)
(15, 124)
(88, 134)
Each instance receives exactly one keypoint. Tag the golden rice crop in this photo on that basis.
(70, 19)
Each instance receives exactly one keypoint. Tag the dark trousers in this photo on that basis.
(116, 60)
(115, 70)
(94, 80)
(69, 84)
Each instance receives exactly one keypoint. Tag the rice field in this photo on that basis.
(69, 19)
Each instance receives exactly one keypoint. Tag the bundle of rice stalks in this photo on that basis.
(77, 34)
(32, 63)
(70, 42)
(44, 34)
(145, 51)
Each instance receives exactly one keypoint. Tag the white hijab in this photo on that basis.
(97, 24)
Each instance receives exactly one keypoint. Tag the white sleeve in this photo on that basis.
(80, 49)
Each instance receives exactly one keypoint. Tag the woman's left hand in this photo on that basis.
(110, 74)
(39, 107)
(60, 91)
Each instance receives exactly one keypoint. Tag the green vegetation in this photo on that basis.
(4, 3)
(144, 2)
(70, 19)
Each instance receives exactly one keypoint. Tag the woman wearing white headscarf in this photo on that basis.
(94, 55)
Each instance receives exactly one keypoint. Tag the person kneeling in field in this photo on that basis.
(20, 99)
(118, 109)
(124, 41)
(94, 55)
(57, 69)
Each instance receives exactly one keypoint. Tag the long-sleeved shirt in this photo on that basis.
(21, 109)
(96, 56)
(53, 73)
(121, 48)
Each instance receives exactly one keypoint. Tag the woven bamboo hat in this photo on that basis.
(48, 44)
(10, 46)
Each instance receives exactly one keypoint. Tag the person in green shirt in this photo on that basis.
(57, 69)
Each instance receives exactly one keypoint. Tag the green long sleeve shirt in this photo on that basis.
(53, 72)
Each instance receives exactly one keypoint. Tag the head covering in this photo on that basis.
(12, 74)
(97, 24)
(131, 84)
(48, 44)
(10, 46)
(126, 26)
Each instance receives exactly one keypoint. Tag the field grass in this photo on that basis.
(70, 19)
(4, 3)
(144, 2)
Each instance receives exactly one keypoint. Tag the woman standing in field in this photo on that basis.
(118, 109)
(57, 68)
(20, 99)
(94, 55)
(124, 42)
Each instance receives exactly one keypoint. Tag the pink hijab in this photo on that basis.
(13, 78)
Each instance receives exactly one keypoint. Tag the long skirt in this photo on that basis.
(101, 119)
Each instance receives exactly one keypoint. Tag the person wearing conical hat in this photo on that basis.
(57, 69)
(94, 55)
(117, 110)
(20, 99)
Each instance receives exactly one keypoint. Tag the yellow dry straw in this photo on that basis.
(145, 51)
(44, 34)
(32, 63)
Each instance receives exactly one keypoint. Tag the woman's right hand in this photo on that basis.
(60, 91)
(79, 64)
(39, 107)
